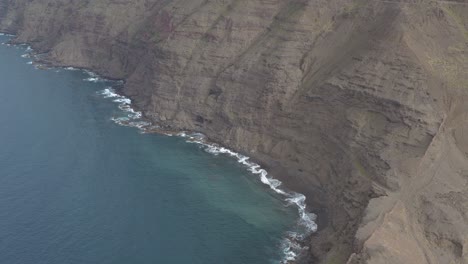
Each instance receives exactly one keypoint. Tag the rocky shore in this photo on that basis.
(359, 105)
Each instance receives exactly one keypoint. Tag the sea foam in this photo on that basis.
(307, 219)
(93, 77)
(133, 117)
(291, 244)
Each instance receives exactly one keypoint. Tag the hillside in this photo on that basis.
(360, 105)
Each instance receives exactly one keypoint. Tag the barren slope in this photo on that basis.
(361, 105)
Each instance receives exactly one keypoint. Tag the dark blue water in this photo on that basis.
(77, 188)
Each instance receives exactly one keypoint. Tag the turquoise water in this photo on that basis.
(75, 187)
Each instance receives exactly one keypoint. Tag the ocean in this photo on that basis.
(80, 183)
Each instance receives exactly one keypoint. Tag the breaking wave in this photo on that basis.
(291, 244)
(93, 77)
(132, 117)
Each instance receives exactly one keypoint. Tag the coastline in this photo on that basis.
(359, 106)
(294, 245)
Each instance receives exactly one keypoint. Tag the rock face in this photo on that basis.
(360, 105)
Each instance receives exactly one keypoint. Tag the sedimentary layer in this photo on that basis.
(360, 105)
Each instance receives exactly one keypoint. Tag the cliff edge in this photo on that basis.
(361, 105)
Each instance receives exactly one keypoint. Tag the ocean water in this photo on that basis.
(78, 188)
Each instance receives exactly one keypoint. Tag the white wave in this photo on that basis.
(90, 73)
(132, 118)
(93, 79)
(29, 62)
(290, 245)
(123, 100)
(132, 113)
(307, 219)
(109, 93)
(140, 124)
(27, 55)
(120, 119)
(71, 69)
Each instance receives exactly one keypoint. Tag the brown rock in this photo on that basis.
(361, 105)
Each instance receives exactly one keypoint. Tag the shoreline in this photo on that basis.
(359, 106)
(294, 245)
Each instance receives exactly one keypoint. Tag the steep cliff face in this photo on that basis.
(360, 105)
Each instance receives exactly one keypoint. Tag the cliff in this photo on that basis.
(360, 105)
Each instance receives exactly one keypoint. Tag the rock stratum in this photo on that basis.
(360, 105)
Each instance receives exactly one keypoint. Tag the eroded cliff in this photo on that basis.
(360, 105)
